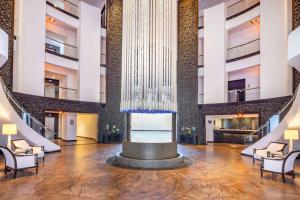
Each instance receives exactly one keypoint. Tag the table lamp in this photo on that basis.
(9, 129)
(291, 135)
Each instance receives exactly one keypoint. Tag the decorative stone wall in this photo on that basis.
(297, 13)
(6, 23)
(113, 116)
(187, 68)
(265, 108)
(296, 74)
(37, 105)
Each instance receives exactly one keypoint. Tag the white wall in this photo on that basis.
(251, 76)
(69, 79)
(89, 53)
(243, 34)
(276, 79)
(237, 21)
(69, 126)
(67, 34)
(31, 47)
(215, 34)
(87, 125)
(60, 61)
(3, 47)
(71, 21)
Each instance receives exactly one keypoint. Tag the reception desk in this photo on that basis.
(233, 136)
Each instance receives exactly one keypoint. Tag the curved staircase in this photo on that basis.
(9, 107)
(292, 118)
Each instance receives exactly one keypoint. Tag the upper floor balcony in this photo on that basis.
(240, 95)
(58, 92)
(243, 51)
(240, 7)
(66, 6)
(59, 48)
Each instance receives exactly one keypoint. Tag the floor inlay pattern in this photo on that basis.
(81, 172)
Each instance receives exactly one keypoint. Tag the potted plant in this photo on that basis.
(113, 133)
(188, 135)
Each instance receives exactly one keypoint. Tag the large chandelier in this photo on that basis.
(149, 56)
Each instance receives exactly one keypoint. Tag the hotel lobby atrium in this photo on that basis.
(149, 99)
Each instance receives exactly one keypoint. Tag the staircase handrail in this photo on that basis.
(19, 106)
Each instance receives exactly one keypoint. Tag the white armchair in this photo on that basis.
(273, 148)
(21, 146)
(281, 166)
(18, 162)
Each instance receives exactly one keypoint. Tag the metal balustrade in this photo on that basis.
(60, 48)
(201, 60)
(65, 5)
(244, 50)
(239, 7)
(102, 97)
(244, 95)
(200, 98)
(60, 92)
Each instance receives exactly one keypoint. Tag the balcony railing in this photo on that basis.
(241, 7)
(201, 22)
(249, 94)
(103, 59)
(60, 92)
(65, 6)
(200, 98)
(59, 48)
(102, 97)
(201, 60)
(243, 51)
(103, 18)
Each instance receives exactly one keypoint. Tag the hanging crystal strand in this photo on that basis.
(149, 56)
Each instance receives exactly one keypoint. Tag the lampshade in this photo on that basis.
(291, 135)
(9, 129)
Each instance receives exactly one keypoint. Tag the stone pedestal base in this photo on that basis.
(149, 156)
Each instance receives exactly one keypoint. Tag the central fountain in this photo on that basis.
(149, 78)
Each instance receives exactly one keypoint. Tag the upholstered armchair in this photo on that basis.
(279, 165)
(18, 162)
(275, 148)
(21, 146)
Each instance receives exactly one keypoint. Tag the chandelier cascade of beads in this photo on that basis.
(149, 56)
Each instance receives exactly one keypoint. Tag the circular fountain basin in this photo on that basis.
(150, 156)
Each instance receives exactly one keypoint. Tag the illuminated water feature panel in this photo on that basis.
(151, 128)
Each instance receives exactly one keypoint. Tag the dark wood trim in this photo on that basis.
(61, 10)
(243, 57)
(60, 55)
(244, 11)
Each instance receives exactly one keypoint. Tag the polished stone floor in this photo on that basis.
(81, 172)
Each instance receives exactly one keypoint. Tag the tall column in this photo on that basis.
(275, 74)
(89, 52)
(113, 116)
(30, 34)
(215, 37)
(187, 68)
